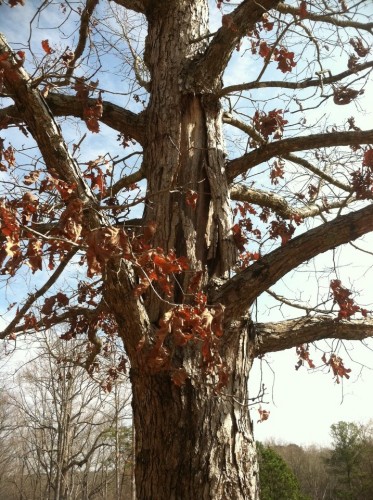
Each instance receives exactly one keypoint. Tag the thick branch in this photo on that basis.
(244, 127)
(248, 129)
(311, 82)
(286, 146)
(115, 117)
(126, 181)
(272, 337)
(238, 293)
(135, 5)
(278, 204)
(322, 18)
(205, 74)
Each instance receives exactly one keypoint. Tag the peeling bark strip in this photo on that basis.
(194, 439)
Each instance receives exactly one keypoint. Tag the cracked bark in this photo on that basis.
(113, 116)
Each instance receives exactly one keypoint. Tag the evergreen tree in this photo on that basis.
(277, 480)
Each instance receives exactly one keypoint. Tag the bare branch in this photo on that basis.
(206, 72)
(312, 82)
(127, 181)
(238, 293)
(245, 127)
(83, 35)
(254, 134)
(279, 204)
(137, 63)
(272, 337)
(39, 293)
(323, 175)
(115, 117)
(286, 146)
(95, 446)
(361, 249)
(330, 19)
(297, 305)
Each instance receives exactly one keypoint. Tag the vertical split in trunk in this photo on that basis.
(185, 150)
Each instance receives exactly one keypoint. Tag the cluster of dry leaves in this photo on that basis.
(185, 325)
(335, 363)
(342, 297)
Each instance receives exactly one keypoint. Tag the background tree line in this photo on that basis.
(64, 435)
(343, 471)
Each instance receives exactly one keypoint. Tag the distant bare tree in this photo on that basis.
(69, 431)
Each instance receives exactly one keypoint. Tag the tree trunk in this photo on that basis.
(192, 442)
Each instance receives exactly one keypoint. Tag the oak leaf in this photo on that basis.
(46, 47)
(368, 158)
(179, 377)
(34, 254)
(263, 415)
(13, 3)
(336, 364)
(303, 9)
(285, 59)
(191, 198)
(342, 297)
(103, 244)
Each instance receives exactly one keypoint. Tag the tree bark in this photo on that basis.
(272, 337)
(283, 147)
(191, 441)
